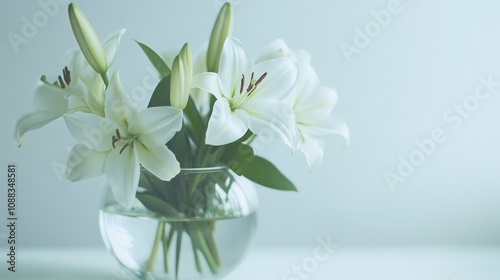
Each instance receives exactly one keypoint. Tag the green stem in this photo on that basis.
(166, 246)
(200, 240)
(178, 253)
(251, 139)
(196, 181)
(196, 257)
(158, 237)
(209, 237)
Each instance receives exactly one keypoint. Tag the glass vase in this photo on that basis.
(196, 226)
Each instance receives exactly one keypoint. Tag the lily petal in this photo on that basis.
(91, 130)
(321, 100)
(159, 161)
(280, 79)
(224, 125)
(118, 106)
(76, 102)
(84, 163)
(275, 49)
(34, 121)
(329, 97)
(307, 79)
(111, 44)
(321, 125)
(235, 60)
(51, 104)
(50, 97)
(313, 149)
(156, 125)
(122, 170)
(95, 95)
(78, 66)
(266, 115)
(200, 96)
(88, 95)
(208, 82)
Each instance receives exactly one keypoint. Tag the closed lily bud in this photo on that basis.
(181, 77)
(220, 32)
(87, 40)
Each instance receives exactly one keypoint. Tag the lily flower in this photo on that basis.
(249, 96)
(120, 143)
(79, 88)
(312, 104)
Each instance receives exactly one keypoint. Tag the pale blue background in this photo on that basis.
(394, 91)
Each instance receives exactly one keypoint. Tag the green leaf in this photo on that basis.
(157, 205)
(156, 60)
(195, 120)
(242, 161)
(180, 145)
(161, 94)
(145, 182)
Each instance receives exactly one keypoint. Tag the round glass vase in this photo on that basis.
(196, 226)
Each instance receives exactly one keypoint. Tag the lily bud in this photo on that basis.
(220, 32)
(87, 40)
(181, 77)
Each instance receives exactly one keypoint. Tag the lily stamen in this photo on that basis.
(67, 75)
(242, 83)
(124, 146)
(116, 138)
(260, 79)
(113, 141)
(61, 82)
(252, 81)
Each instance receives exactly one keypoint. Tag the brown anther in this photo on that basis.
(67, 75)
(61, 82)
(250, 85)
(260, 79)
(113, 141)
(118, 134)
(123, 148)
(242, 83)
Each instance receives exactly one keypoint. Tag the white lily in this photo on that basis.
(80, 88)
(249, 96)
(122, 141)
(311, 102)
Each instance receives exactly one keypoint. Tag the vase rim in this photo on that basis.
(218, 168)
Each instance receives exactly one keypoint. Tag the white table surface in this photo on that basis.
(274, 263)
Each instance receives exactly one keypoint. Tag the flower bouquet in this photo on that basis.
(179, 161)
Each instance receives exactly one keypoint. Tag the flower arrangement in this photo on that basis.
(195, 118)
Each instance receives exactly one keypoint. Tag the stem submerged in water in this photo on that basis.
(167, 240)
(178, 253)
(158, 237)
